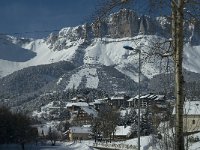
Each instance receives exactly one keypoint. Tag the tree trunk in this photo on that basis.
(177, 35)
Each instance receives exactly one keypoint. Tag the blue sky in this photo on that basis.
(19, 16)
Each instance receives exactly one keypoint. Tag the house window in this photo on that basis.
(193, 121)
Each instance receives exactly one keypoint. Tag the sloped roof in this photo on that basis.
(117, 97)
(99, 101)
(130, 100)
(89, 110)
(149, 96)
(77, 104)
(159, 97)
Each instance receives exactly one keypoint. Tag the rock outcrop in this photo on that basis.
(125, 23)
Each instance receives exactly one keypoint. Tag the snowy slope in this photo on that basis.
(102, 77)
(79, 46)
(44, 55)
(92, 78)
(109, 52)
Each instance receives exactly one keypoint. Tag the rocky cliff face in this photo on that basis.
(125, 23)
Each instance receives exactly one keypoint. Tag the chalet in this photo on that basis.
(76, 106)
(147, 101)
(98, 103)
(191, 116)
(85, 115)
(81, 112)
(79, 133)
(119, 100)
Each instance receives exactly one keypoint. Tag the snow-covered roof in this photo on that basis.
(80, 130)
(152, 96)
(99, 101)
(117, 97)
(191, 108)
(102, 99)
(159, 97)
(130, 100)
(78, 98)
(87, 125)
(141, 97)
(91, 103)
(136, 97)
(149, 96)
(77, 104)
(145, 96)
(89, 110)
(74, 98)
(122, 130)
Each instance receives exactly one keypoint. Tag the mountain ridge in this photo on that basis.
(72, 43)
(97, 59)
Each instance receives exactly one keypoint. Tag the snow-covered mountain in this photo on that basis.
(95, 56)
(106, 51)
(97, 44)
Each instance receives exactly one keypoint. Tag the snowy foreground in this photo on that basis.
(147, 143)
(84, 145)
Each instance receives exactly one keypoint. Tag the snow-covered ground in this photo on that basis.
(146, 144)
(84, 145)
(194, 145)
(92, 78)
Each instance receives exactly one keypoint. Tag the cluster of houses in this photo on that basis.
(83, 112)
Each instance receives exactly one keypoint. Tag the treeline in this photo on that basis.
(31, 79)
(15, 128)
